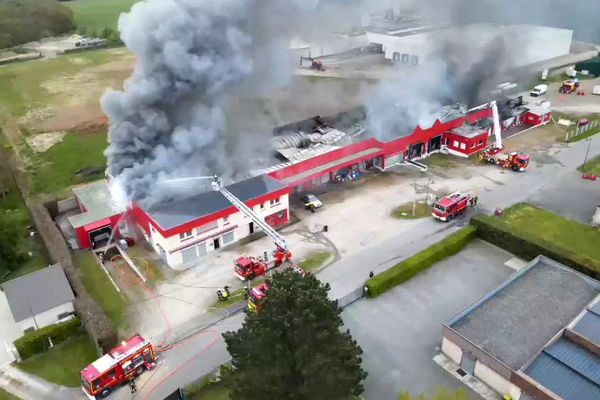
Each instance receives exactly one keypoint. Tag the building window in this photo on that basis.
(207, 227)
(405, 58)
(480, 142)
(414, 60)
(185, 235)
(274, 201)
(262, 205)
(228, 238)
(396, 56)
(455, 143)
(463, 146)
(225, 220)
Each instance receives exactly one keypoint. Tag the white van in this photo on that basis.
(539, 90)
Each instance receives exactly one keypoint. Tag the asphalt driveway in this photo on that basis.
(400, 331)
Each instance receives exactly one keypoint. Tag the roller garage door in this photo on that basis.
(193, 253)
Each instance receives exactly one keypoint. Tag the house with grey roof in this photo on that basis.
(536, 336)
(40, 298)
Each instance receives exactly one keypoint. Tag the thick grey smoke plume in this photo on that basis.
(193, 58)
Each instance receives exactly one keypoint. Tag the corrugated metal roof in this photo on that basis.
(568, 370)
(589, 327)
(180, 212)
(37, 292)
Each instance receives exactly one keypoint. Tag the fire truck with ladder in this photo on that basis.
(448, 207)
(248, 267)
(118, 367)
(518, 162)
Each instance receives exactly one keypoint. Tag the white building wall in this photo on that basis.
(47, 317)
(495, 381)
(238, 219)
(451, 350)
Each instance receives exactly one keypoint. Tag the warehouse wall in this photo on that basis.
(451, 350)
(495, 381)
(203, 236)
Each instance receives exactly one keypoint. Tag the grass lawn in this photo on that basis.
(13, 208)
(57, 169)
(315, 261)
(405, 211)
(589, 133)
(62, 363)
(21, 84)
(534, 222)
(99, 14)
(7, 396)
(592, 166)
(101, 289)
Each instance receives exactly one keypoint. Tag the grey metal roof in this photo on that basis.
(589, 327)
(517, 319)
(568, 370)
(96, 199)
(179, 212)
(37, 292)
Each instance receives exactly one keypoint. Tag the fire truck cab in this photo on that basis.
(247, 267)
(518, 162)
(257, 296)
(448, 207)
(118, 367)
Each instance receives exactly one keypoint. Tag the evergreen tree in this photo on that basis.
(293, 348)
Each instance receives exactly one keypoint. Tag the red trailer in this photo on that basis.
(118, 367)
(448, 207)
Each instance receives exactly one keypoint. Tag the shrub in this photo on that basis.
(37, 341)
(410, 267)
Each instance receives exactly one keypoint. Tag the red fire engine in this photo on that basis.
(518, 162)
(118, 367)
(257, 296)
(450, 206)
(247, 268)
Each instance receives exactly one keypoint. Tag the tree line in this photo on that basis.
(23, 21)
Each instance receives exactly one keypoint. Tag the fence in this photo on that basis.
(581, 130)
(350, 298)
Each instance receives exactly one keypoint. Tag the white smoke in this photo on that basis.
(193, 56)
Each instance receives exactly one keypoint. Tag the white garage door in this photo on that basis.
(189, 254)
(201, 249)
(228, 238)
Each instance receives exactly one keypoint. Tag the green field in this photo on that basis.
(57, 168)
(314, 261)
(62, 363)
(101, 289)
(7, 396)
(592, 166)
(21, 84)
(99, 14)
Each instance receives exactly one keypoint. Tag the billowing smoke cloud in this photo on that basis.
(193, 58)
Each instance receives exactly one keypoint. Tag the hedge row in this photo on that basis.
(36, 342)
(526, 246)
(410, 267)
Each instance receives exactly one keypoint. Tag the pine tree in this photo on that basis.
(293, 348)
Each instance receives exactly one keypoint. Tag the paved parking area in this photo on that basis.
(8, 331)
(400, 332)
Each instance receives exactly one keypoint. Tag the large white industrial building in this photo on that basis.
(525, 44)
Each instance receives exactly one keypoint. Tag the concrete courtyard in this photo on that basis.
(400, 332)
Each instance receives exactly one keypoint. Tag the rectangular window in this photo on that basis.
(414, 60)
(396, 56)
(455, 143)
(463, 146)
(274, 201)
(480, 142)
(405, 58)
(185, 235)
(225, 220)
(228, 238)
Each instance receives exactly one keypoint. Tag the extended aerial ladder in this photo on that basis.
(246, 268)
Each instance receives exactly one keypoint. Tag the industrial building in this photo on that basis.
(419, 44)
(537, 336)
(309, 153)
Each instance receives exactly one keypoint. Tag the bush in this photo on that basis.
(410, 267)
(36, 342)
(528, 246)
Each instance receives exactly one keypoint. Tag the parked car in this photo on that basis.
(539, 90)
(596, 90)
(311, 202)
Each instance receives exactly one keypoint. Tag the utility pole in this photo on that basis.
(586, 155)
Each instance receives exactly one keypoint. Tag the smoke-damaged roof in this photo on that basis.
(180, 212)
